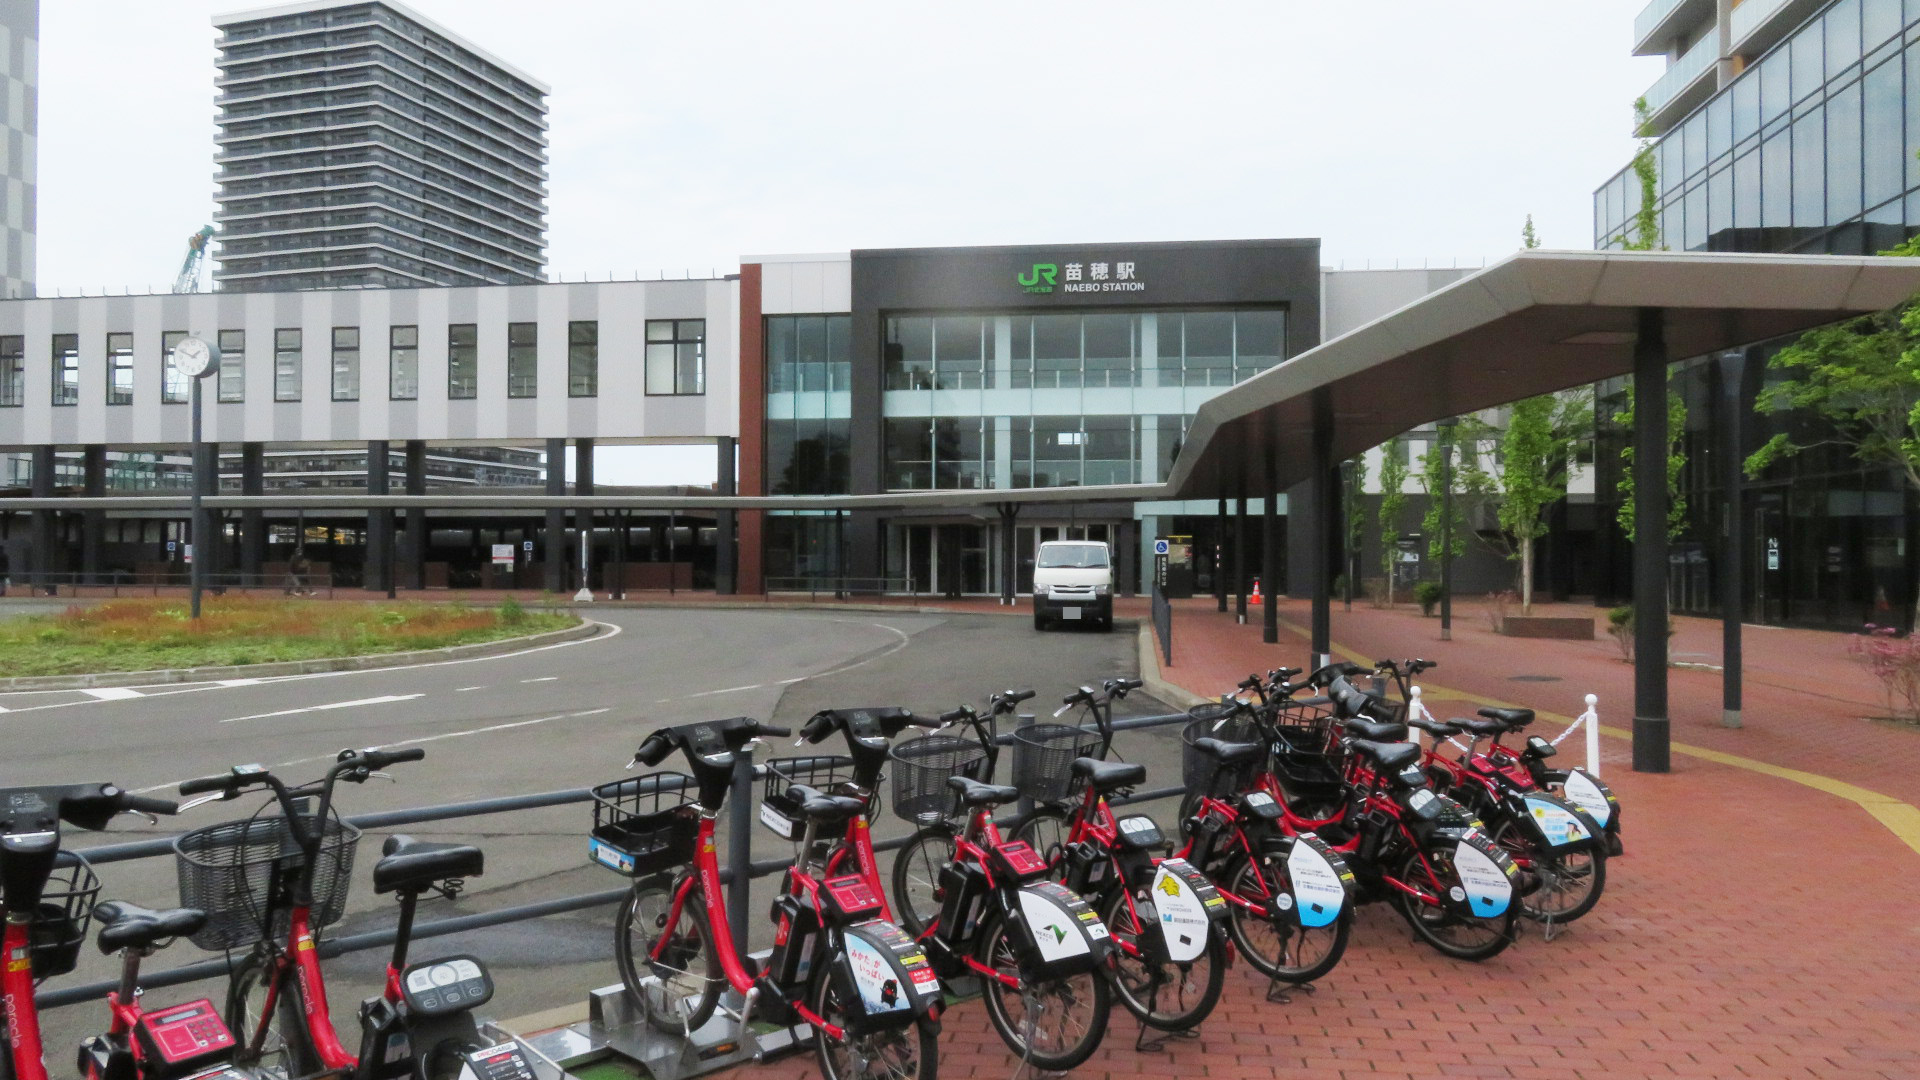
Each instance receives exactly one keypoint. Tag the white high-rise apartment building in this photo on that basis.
(20, 69)
(363, 145)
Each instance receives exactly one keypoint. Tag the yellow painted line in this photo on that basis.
(1902, 819)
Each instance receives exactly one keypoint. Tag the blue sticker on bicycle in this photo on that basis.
(1556, 823)
(1488, 889)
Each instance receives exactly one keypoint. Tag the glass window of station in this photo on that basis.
(1058, 399)
(809, 408)
(1812, 148)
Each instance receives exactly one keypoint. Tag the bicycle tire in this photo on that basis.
(916, 1042)
(916, 877)
(1589, 880)
(1250, 929)
(995, 949)
(1045, 830)
(670, 1006)
(246, 990)
(1428, 921)
(1123, 925)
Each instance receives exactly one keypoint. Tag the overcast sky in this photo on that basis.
(685, 135)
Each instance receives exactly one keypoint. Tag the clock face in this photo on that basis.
(194, 358)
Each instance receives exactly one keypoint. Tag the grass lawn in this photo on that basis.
(147, 635)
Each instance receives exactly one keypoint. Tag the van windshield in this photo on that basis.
(1073, 557)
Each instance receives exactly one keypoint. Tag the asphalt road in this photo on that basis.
(565, 716)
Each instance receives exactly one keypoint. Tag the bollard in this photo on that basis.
(1593, 735)
(740, 846)
(1417, 710)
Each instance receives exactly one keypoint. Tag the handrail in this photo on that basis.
(50, 582)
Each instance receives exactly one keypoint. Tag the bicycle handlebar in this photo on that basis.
(954, 716)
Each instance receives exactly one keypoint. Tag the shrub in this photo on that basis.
(511, 613)
(1498, 604)
(1428, 594)
(1895, 661)
(1620, 625)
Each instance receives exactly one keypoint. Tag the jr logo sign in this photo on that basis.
(1040, 278)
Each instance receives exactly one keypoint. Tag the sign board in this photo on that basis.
(503, 554)
(526, 545)
(187, 552)
(172, 546)
(1160, 547)
(1773, 553)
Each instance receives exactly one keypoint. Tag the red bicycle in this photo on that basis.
(271, 883)
(46, 896)
(859, 981)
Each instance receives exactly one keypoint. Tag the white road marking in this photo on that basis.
(543, 678)
(237, 682)
(333, 705)
(715, 693)
(113, 693)
(464, 689)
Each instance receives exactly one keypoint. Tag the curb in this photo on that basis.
(299, 667)
(1177, 696)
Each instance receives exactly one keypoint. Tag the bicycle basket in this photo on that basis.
(59, 925)
(1302, 764)
(920, 770)
(1043, 759)
(1202, 772)
(645, 824)
(829, 774)
(234, 872)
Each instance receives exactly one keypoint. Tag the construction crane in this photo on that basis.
(189, 278)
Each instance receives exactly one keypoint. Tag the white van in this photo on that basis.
(1073, 581)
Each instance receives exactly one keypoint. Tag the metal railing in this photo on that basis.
(839, 586)
(737, 871)
(127, 583)
(1163, 624)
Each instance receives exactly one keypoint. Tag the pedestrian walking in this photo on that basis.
(297, 571)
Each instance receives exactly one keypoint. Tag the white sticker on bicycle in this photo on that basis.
(1556, 822)
(1316, 887)
(873, 975)
(1488, 890)
(1581, 791)
(1055, 930)
(1183, 919)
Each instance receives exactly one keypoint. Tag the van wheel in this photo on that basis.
(1039, 621)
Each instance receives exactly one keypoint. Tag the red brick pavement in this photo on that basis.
(1757, 928)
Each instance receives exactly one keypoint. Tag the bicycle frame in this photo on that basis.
(16, 993)
(859, 841)
(970, 847)
(300, 959)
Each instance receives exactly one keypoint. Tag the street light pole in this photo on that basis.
(1446, 428)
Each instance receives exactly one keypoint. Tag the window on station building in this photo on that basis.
(119, 369)
(286, 364)
(463, 360)
(174, 383)
(676, 356)
(523, 360)
(403, 363)
(942, 452)
(233, 366)
(66, 369)
(13, 371)
(583, 359)
(1074, 451)
(809, 353)
(809, 367)
(346, 363)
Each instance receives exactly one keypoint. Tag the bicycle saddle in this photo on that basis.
(974, 793)
(1480, 728)
(1108, 775)
(412, 865)
(1382, 731)
(1515, 719)
(1439, 729)
(823, 809)
(126, 925)
(1228, 752)
(1390, 756)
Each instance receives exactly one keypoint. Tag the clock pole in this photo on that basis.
(196, 568)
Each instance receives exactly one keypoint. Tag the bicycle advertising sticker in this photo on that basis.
(1056, 931)
(873, 975)
(1556, 823)
(1317, 891)
(1485, 882)
(1581, 791)
(1183, 918)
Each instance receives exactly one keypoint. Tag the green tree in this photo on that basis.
(1646, 170)
(1528, 238)
(1469, 484)
(1676, 461)
(1355, 472)
(1393, 496)
(1536, 454)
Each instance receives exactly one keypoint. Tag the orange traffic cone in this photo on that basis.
(1255, 597)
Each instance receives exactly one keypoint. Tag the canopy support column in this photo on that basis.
(1651, 735)
(1322, 522)
(1733, 537)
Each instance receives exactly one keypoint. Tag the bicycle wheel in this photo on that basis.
(1175, 997)
(668, 965)
(908, 1053)
(284, 1047)
(1279, 947)
(1570, 884)
(1463, 937)
(916, 878)
(1054, 1024)
(1045, 830)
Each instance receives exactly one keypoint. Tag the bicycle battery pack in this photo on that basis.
(444, 987)
(883, 976)
(183, 1039)
(1060, 933)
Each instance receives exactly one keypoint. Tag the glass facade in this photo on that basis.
(809, 404)
(1057, 399)
(1811, 149)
